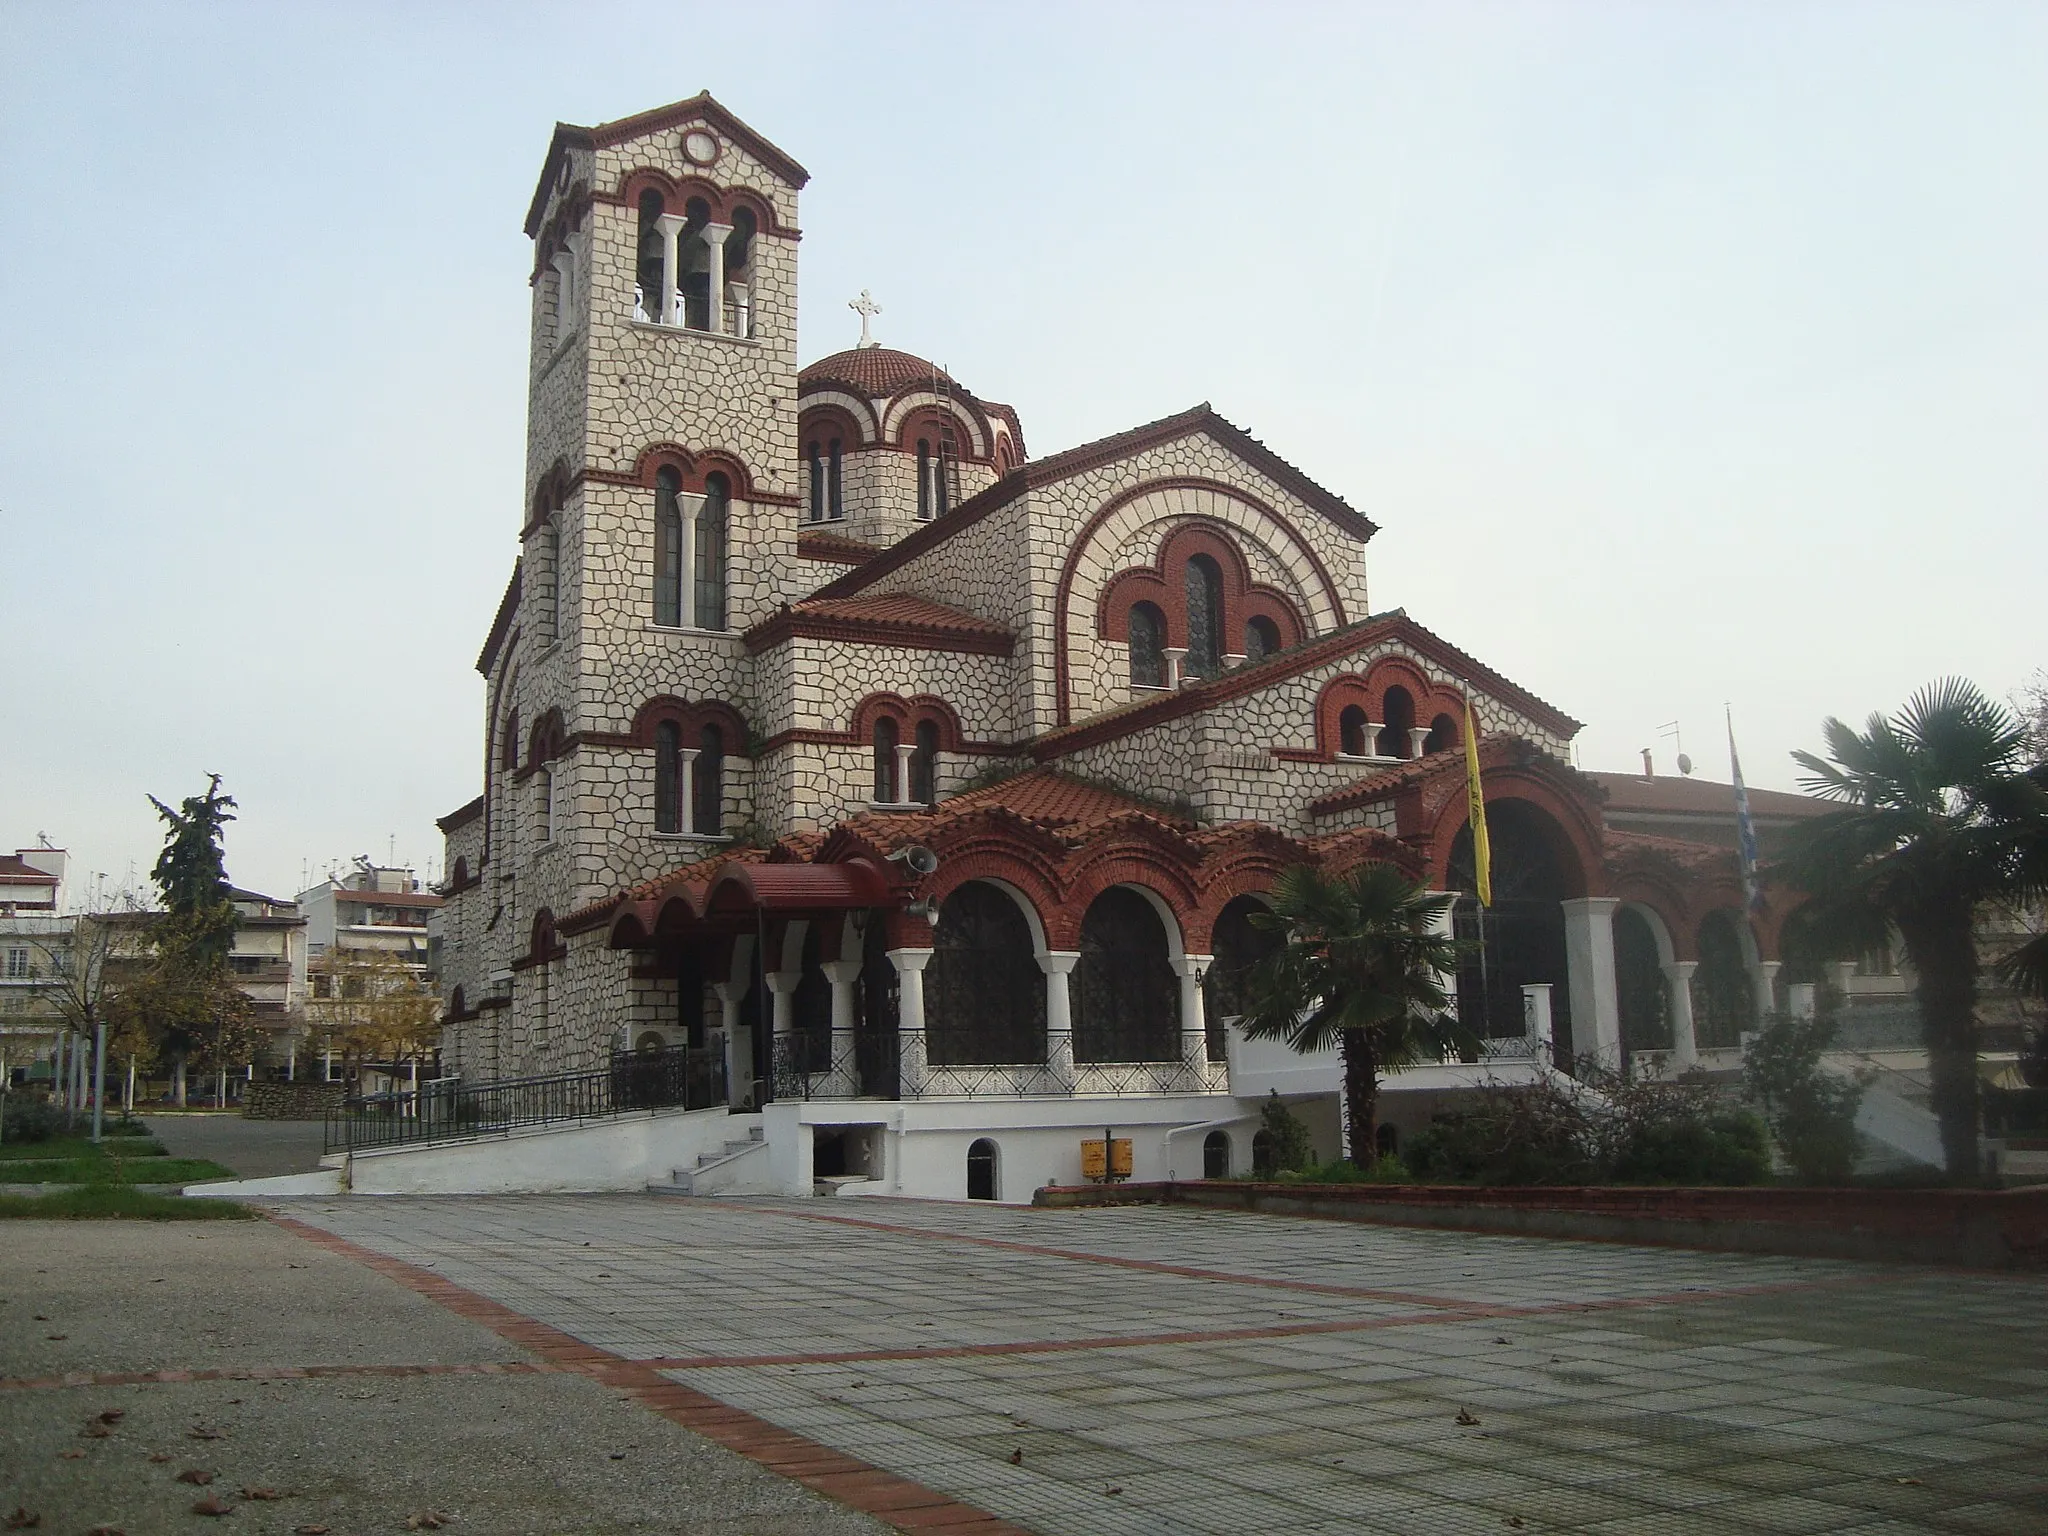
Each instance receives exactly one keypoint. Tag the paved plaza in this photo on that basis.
(1103, 1372)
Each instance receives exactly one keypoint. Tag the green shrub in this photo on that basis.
(1282, 1143)
(1811, 1111)
(116, 1200)
(29, 1120)
(1730, 1148)
(1388, 1170)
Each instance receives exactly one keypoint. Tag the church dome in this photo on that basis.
(877, 372)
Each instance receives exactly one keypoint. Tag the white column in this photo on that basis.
(714, 242)
(905, 750)
(1443, 924)
(910, 964)
(1372, 737)
(671, 226)
(1058, 965)
(739, 1042)
(686, 789)
(1678, 989)
(1589, 963)
(842, 974)
(782, 990)
(1418, 737)
(1194, 1030)
(1839, 974)
(686, 606)
(1175, 655)
(1763, 977)
(1799, 1001)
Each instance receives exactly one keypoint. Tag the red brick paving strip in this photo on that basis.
(893, 1500)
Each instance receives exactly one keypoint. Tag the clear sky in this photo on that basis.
(1683, 352)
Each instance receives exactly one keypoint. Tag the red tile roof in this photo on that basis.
(834, 548)
(1699, 797)
(877, 372)
(1073, 809)
(883, 618)
(18, 871)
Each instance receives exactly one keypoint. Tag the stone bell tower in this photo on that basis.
(661, 473)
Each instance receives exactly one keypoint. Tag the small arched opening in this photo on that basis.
(1639, 982)
(711, 552)
(887, 736)
(1443, 735)
(984, 992)
(1204, 588)
(1397, 720)
(708, 789)
(1216, 1155)
(982, 1170)
(1352, 739)
(1723, 1000)
(1148, 646)
(1261, 639)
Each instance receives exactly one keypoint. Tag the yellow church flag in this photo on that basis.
(1482, 850)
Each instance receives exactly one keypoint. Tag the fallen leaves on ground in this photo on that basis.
(93, 1429)
(106, 1530)
(69, 1455)
(1907, 1482)
(428, 1520)
(160, 1457)
(213, 1506)
(23, 1519)
(198, 1477)
(112, 1415)
(263, 1495)
(310, 1530)
(1466, 1417)
(205, 1432)
(56, 1338)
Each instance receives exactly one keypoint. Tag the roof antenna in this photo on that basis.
(1670, 728)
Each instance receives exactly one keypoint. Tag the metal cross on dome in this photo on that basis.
(866, 307)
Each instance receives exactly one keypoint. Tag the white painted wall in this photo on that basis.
(622, 1154)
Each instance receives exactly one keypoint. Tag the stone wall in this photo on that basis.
(292, 1101)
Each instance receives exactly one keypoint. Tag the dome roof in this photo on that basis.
(877, 372)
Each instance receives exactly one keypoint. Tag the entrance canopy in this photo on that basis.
(741, 891)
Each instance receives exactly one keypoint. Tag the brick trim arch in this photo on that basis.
(676, 192)
(972, 448)
(695, 468)
(819, 422)
(908, 714)
(546, 739)
(544, 945)
(1069, 571)
(1368, 690)
(1573, 823)
(1243, 598)
(692, 718)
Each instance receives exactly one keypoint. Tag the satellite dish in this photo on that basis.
(1684, 763)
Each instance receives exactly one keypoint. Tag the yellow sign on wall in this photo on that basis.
(1118, 1162)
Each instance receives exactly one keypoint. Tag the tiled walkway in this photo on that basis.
(1169, 1370)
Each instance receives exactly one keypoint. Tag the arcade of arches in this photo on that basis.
(1065, 963)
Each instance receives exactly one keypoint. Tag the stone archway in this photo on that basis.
(1521, 937)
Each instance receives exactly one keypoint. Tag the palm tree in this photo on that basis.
(1363, 965)
(1940, 814)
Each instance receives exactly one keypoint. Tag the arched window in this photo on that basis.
(924, 762)
(707, 816)
(1351, 739)
(668, 777)
(693, 262)
(924, 479)
(1238, 944)
(711, 531)
(1723, 1002)
(1261, 639)
(1399, 718)
(886, 737)
(668, 546)
(1126, 1003)
(1639, 983)
(544, 803)
(1216, 1155)
(652, 248)
(739, 275)
(551, 580)
(836, 499)
(1262, 1154)
(984, 993)
(1443, 735)
(1204, 581)
(1148, 646)
(508, 752)
(981, 1170)
(817, 466)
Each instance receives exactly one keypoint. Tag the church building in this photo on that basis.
(908, 795)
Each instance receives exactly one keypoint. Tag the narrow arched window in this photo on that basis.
(981, 1170)
(693, 261)
(508, 753)
(711, 537)
(924, 764)
(668, 546)
(739, 276)
(668, 777)
(1148, 646)
(942, 473)
(817, 464)
(924, 479)
(835, 481)
(1261, 639)
(1351, 723)
(886, 738)
(1216, 1155)
(649, 270)
(707, 816)
(1443, 734)
(1204, 585)
(549, 581)
(1399, 712)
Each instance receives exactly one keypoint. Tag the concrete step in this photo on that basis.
(727, 1169)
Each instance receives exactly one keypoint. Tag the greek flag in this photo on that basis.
(1745, 829)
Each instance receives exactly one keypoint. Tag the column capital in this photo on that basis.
(670, 223)
(1196, 966)
(910, 959)
(1591, 906)
(1681, 970)
(714, 234)
(841, 973)
(784, 983)
(1059, 962)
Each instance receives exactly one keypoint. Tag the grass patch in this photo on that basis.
(102, 1201)
(64, 1148)
(113, 1170)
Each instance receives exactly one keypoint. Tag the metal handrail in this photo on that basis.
(450, 1110)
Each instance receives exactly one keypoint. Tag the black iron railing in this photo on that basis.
(944, 1062)
(678, 1078)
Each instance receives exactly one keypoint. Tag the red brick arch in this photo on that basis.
(694, 467)
(820, 423)
(691, 718)
(1164, 584)
(1368, 690)
(1571, 821)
